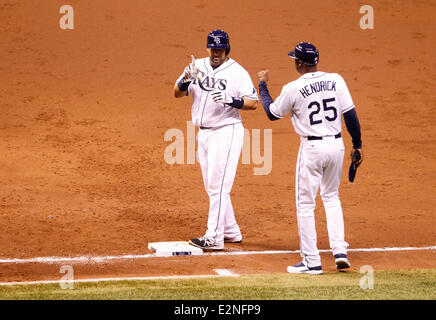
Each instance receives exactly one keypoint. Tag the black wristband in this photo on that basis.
(183, 86)
(237, 103)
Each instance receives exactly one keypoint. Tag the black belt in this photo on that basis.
(320, 138)
(218, 127)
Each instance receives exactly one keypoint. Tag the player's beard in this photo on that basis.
(217, 60)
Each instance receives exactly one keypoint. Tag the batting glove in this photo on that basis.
(191, 71)
(221, 97)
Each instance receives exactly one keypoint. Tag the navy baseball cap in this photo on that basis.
(306, 52)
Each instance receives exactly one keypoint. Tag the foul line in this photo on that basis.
(220, 272)
(69, 282)
(101, 259)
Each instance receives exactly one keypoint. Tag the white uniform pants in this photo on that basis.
(319, 164)
(219, 151)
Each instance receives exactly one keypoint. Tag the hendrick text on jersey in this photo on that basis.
(317, 86)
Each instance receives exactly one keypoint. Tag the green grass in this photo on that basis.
(397, 285)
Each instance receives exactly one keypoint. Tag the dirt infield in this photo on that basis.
(83, 114)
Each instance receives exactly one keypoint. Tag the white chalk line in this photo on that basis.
(220, 272)
(67, 282)
(102, 259)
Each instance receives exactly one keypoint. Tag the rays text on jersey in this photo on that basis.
(208, 83)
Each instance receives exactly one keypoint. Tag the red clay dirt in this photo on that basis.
(83, 114)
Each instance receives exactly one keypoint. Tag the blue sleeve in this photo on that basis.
(353, 127)
(266, 100)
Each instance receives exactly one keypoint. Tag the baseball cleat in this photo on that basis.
(302, 268)
(205, 244)
(341, 261)
(233, 240)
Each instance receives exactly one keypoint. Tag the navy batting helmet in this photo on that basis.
(218, 39)
(306, 52)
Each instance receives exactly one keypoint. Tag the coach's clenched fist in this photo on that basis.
(263, 75)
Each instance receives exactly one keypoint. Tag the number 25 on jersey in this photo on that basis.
(330, 112)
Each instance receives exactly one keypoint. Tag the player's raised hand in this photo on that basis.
(263, 75)
(191, 71)
(193, 67)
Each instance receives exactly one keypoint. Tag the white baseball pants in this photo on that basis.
(319, 164)
(218, 152)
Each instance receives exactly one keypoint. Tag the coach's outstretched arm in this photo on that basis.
(265, 97)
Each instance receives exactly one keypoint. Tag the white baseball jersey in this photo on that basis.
(316, 102)
(230, 77)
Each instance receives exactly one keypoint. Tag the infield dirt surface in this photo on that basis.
(83, 114)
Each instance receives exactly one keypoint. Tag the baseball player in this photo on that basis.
(315, 102)
(219, 87)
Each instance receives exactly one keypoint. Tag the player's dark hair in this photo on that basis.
(307, 64)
